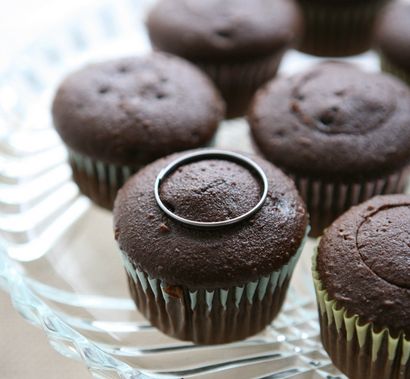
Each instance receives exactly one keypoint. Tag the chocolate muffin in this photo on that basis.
(119, 115)
(238, 43)
(362, 279)
(393, 40)
(343, 135)
(209, 285)
(339, 28)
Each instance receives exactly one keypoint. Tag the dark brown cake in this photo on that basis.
(209, 285)
(336, 28)
(341, 133)
(363, 273)
(393, 40)
(238, 43)
(119, 115)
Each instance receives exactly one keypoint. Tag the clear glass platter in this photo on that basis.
(58, 259)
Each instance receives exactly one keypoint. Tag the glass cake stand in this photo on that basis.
(58, 259)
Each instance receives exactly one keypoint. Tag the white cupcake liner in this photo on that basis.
(238, 81)
(332, 29)
(327, 200)
(98, 180)
(211, 316)
(248, 74)
(249, 292)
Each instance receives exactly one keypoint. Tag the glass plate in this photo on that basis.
(58, 259)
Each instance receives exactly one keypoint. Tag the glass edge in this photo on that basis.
(60, 333)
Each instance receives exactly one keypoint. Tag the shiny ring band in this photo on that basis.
(211, 154)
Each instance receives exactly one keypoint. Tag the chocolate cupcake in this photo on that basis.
(339, 28)
(393, 40)
(362, 279)
(239, 44)
(341, 133)
(209, 260)
(119, 115)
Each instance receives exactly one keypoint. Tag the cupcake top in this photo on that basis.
(133, 110)
(363, 262)
(393, 33)
(334, 121)
(209, 190)
(228, 29)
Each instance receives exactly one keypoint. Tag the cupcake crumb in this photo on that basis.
(294, 107)
(163, 228)
(174, 291)
(116, 233)
(304, 141)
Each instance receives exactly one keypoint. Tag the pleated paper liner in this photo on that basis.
(326, 200)
(210, 317)
(391, 68)
(98, 180)
(238, 81)
(338, 29)
(354, 346)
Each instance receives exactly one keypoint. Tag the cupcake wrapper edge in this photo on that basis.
(248, 292)
(333, 30)
(238, 81)
(328, 200)
(388, 66)
(357, 336)
(98, 180)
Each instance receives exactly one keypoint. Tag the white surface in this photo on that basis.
(22, 21)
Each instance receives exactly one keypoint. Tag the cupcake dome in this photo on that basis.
(363, 274)
(334, 127)
(393, 40)
(239, 44)
(232, 264)
(127, 112)
(220, 30)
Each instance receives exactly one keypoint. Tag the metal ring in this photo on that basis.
(209, 154)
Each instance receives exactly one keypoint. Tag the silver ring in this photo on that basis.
(209, 154)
